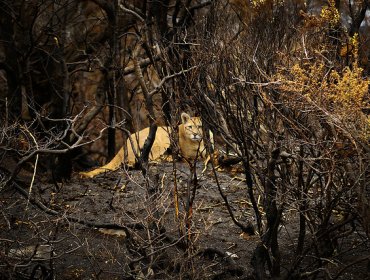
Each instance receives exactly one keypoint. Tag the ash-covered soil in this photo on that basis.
(121, 225)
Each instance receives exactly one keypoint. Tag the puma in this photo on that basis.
(191, 145)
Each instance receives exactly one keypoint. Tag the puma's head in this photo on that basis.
(191, 128)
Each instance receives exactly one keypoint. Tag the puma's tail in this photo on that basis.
(113, 165)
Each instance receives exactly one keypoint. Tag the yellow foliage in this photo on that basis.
(257, 3)
(340, 92)
(330, 13)
(351, 47)
(348, 89)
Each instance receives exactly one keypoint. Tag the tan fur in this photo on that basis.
(191, 137)
(190, 143)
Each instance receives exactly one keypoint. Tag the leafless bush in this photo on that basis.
(267, 85)
(295, 153)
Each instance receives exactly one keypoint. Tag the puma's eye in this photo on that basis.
(190, 127)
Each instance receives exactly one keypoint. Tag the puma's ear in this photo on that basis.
(184, 117)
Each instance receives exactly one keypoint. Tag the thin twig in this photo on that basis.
(35, 167)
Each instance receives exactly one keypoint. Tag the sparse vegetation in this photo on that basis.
(283, 86)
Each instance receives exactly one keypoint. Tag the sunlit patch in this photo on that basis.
(114, 232)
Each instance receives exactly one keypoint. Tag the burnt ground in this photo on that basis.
(112, 227)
